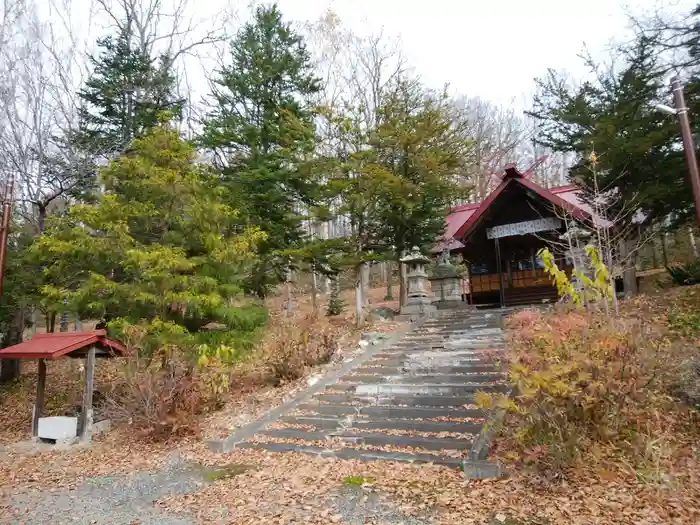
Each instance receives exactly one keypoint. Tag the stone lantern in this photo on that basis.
(446, 283)
(419, 302)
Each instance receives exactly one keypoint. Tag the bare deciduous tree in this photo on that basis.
(42, 69)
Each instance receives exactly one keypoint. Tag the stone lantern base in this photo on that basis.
(417, 308)
(448, 292)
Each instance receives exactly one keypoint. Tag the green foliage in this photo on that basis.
(685, 274)
(357, 481)
(20, 286)
(635, 144)
(124, 95)
(418, 149)
(162, 247)
(261, 127)
(564, 286)
(592, 289)
(336, 305)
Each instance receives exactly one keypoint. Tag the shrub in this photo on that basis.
(164, 390)
(685, 274)
(293, 346)
(584, 383)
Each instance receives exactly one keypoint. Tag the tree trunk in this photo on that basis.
(629, 274)
(403, 283)
(10, 368)
(609, 262)
(289, 293)
(314, 290)
(365, 283)
(664, 252)
(358, 296)
(389, 289)
(693, 245)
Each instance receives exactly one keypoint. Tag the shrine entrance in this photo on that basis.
(500, 241)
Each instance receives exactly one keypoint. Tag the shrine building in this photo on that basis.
(499, 239)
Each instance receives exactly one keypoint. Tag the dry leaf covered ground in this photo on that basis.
(121, 481)
(252, 487)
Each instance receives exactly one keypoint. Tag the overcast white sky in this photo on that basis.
(492, 49)
(489, 48)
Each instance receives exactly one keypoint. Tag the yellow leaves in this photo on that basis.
(484, 400)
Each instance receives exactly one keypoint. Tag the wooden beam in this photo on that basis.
(39, 401)
(499, 269)
(86, 413)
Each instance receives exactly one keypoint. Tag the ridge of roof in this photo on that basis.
(513, 176)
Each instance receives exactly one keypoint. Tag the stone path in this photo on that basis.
(412, 401)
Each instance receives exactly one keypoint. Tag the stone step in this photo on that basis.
(412, 378)
(399, 399)
(467, 322)
(391, 412)
(426, 388)
(413, 365)
(451, 333)
(450, 345)
(385, 424)
(372, 439)
(393, 367)
(354, 453)
(426, 355)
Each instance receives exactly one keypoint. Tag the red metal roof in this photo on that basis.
(58, 344)
(463, 218)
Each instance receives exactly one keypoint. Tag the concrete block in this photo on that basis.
(482, 470)
(58, 428)
(101, 426)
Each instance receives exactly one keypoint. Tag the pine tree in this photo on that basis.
(161, 245)
(418, 152)
(260, 127)
(124, 96)
(613, 121)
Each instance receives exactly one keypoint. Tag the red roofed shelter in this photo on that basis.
(81, 345)
(500, 237)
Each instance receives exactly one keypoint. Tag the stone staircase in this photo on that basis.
(410, 401)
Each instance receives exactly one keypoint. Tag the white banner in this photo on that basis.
(522, 228)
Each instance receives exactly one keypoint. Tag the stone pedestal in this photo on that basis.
(419, 302)
(446, 284)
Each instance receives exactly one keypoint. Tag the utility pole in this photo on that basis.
(5, 228)
(688, 145)
(9, 368)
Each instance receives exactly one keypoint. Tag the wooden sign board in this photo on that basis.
(523, 228)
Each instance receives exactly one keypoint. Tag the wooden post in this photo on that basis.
(314, 289)
(86, 413)
(499, 269)
(664, 253)
(39, 401)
